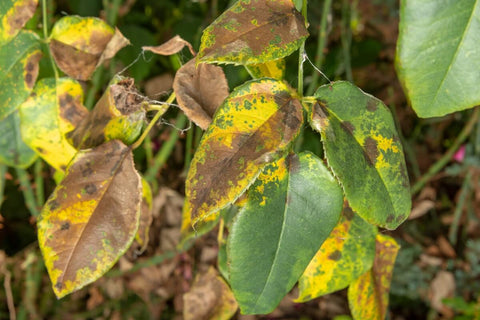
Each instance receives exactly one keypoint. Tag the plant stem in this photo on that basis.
(301, 53)
(3, 171)
(322, 41)
(27, 191)
(452, 234)
(45, 36)
(437, 166)
(112, 12)
(39, 190)
(346, 39)
(167, 148)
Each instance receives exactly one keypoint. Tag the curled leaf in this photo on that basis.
(200, 90)
(91, 218)
(253, 126)
(172, 46)
(14, 14)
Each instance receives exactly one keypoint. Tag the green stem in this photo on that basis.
(96, 84)
(39, 190)
(322, 41)
(27, 191)
(346, 39)
(167, 148)
(3, 171)
(465, 190)
(301, 52)
(112, 12)
(437, 166)
(45, 36)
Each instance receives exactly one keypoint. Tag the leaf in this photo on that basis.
(368, 295)
(437, 55)
(119, 114)
(146, 218)
(13, 151)
(200, 90)
(172, 46)
(271, 69)
(253, 32)
(290, 211)
(91, 218)
(80, 44)
(14, 14)
(209, 298)
(364, 151)
(18, 71)
(347, 253)
(253, 126)
(53, 109)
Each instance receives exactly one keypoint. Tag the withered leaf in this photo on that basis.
(200, 90)
(119, 114)
(14, 14)
(91, 218)
(172, 46)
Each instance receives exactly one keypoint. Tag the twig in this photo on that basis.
(437, 166)
(465, 190)
(9, 296)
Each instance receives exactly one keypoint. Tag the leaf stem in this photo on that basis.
(301, 52)
(39, 190)
(437, 166)
(45, 36)
(346, 39)
(27, 191)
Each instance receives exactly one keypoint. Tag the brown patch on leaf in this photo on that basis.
(319, 115)
(371, 151)
(172, 46)
(372, 105)
(335, 256)
(200, 91)
(71, 108)
(31, 70)
(75, 63)
(23, 12)
(348, 212)
(348, 127)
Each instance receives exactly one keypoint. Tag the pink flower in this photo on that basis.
(460, 154)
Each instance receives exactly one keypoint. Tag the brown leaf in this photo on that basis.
(75, 63)
(117, 42)
(442, 286)
(209, 298)
(172, 46)
(200, 91)
(91, 218)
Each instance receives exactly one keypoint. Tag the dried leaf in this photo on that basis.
(209, 298)
(119, 114)
(253, 32)
(54, 108)
(91, 218)
(253, 126)
(441, 287)
(172, 46)
(80, 44)
(14, 14)
(368, 295)
(200, 91)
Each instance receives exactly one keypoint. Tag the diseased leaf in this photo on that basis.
(18, 70)
(146, 218)
(80, 44)
(364, 151)
(200, 90)
(252, 32)
(271, 69)
(53, 109)
(291, 209)
(368, 295)
(172, 46)
(91, 218)
(14, 14)
(437, 55)
(253, 126)
(119, 114)
(13, 151)
(347, 253)
(209, 298)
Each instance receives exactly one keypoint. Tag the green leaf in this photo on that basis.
(80, 44)
(291, 209)
(119, 114)
(271, 69)
(53, 109)
(91, 218)
(13, 151)
(347, 253)
(253, 126)
(363, 149)
(18, 70)
(252, 32)
(437, 55)
(13, 16)
(368, 295)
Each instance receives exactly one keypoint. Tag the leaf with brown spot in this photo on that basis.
(252, 32)
(18, 70)
(209, 298)
(254, 126)
(14, 14)
(172, 46)
(53, 109)
(200, 90)
(80, 44)
(368, 295)
(91, 218)
(119, 114)
(364, 151)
